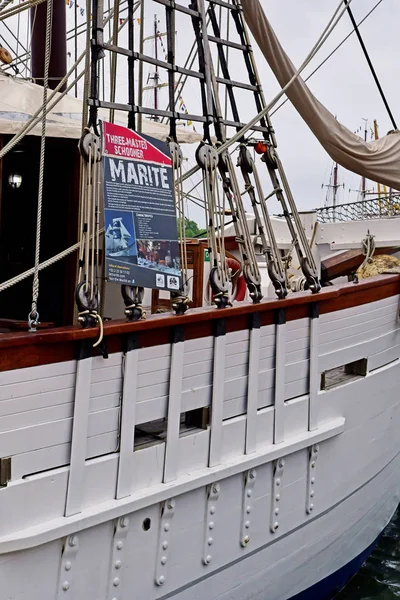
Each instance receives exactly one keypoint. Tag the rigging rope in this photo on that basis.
(320, 42)
(271, 251)
(36, 118)
(82, 163)
(374, 75)
(10, 12)
(47, 263)
(33, 317)
(368, 245)
(4, 4)
(114, 58)
(321, 64)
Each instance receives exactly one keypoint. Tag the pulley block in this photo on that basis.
(270, 157)
(253, 283)
(245, 162)
(207, 157)
(313, 282)
(133, 298)
(176, 154)
(88, 304)
(90, 145)
(277, 281)
(223, 164)
(219, 289)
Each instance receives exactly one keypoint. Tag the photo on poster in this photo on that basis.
(162, 255)
(120, 235)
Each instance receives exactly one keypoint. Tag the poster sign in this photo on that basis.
(141, 239)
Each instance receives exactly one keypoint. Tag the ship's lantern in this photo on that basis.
(15, 180)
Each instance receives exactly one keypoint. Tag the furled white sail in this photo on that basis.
(378, 160)
(20, 99)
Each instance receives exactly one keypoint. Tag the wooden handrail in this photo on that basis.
(23, 349)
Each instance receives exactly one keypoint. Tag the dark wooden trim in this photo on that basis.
(1, 174)
(19, 350)
(72, 236)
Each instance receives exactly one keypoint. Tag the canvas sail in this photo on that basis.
(378, 160)
(20, 99)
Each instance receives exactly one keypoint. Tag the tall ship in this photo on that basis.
(191, 418)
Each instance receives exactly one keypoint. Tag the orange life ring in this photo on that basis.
(5, 56)
(238, 281)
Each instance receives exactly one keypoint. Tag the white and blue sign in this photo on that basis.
(141, 239)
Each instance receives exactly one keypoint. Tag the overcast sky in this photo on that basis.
(344, 84)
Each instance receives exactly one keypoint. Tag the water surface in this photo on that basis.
(380, 575)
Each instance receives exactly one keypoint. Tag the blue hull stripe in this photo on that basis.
(330, 586)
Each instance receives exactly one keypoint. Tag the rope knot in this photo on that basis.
(86, 316)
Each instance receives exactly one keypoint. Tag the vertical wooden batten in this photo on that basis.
(128, 414)
(76, 480)
(218, 391)
(280, 354)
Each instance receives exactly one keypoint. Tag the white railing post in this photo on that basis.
(218, 390)
(280, 364)
(174, 405)
(252, 384)
(127, 420)
(314, 369)
(76, 480)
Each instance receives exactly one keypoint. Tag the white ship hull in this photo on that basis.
(286, 487)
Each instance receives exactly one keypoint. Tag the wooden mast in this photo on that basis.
(58, 58)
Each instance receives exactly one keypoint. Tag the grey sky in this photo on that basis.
(344, 84)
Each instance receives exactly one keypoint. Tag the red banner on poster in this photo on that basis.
(120, 142)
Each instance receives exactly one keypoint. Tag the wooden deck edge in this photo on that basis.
(20, 350)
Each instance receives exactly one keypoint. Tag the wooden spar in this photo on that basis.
(347, 262)
(58, 58)
(20, 350)
(376, 135)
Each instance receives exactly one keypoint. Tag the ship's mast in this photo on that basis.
(363, 181)
(376, 135)
(156, 73)
(155, 77)
(334, 185)
(58, 56)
